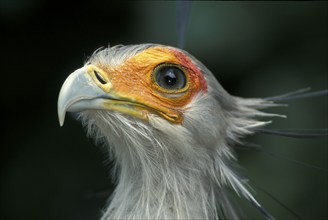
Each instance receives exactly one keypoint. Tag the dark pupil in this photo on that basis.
(170, 78)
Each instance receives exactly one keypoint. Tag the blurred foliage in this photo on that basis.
(256, 49)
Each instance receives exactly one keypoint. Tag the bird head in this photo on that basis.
(139, 81)
(161, 113)
(154, 85)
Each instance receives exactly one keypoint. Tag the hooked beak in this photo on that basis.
(88, 88)
(79, 92)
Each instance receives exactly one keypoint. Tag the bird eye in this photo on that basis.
(170, 77)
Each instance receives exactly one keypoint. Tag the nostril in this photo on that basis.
(99, 77)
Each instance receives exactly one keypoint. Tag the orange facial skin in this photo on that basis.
(133, 80)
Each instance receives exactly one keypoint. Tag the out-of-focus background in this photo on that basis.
(256, 49)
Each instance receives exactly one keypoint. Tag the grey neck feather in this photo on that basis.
(170, 171)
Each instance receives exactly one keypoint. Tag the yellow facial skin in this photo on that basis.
(93, 71)
(136, 90)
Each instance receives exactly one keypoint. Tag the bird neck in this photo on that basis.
(176, 171)
(159, 180)
(164, 171)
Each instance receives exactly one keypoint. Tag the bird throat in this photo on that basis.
(158, 178)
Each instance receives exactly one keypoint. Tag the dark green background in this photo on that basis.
(256, 49)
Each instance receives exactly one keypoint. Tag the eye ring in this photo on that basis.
(170, 77)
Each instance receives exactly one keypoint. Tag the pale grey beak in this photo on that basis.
(79, 92)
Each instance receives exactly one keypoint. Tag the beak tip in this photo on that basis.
(61, 118)
(61, 111)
